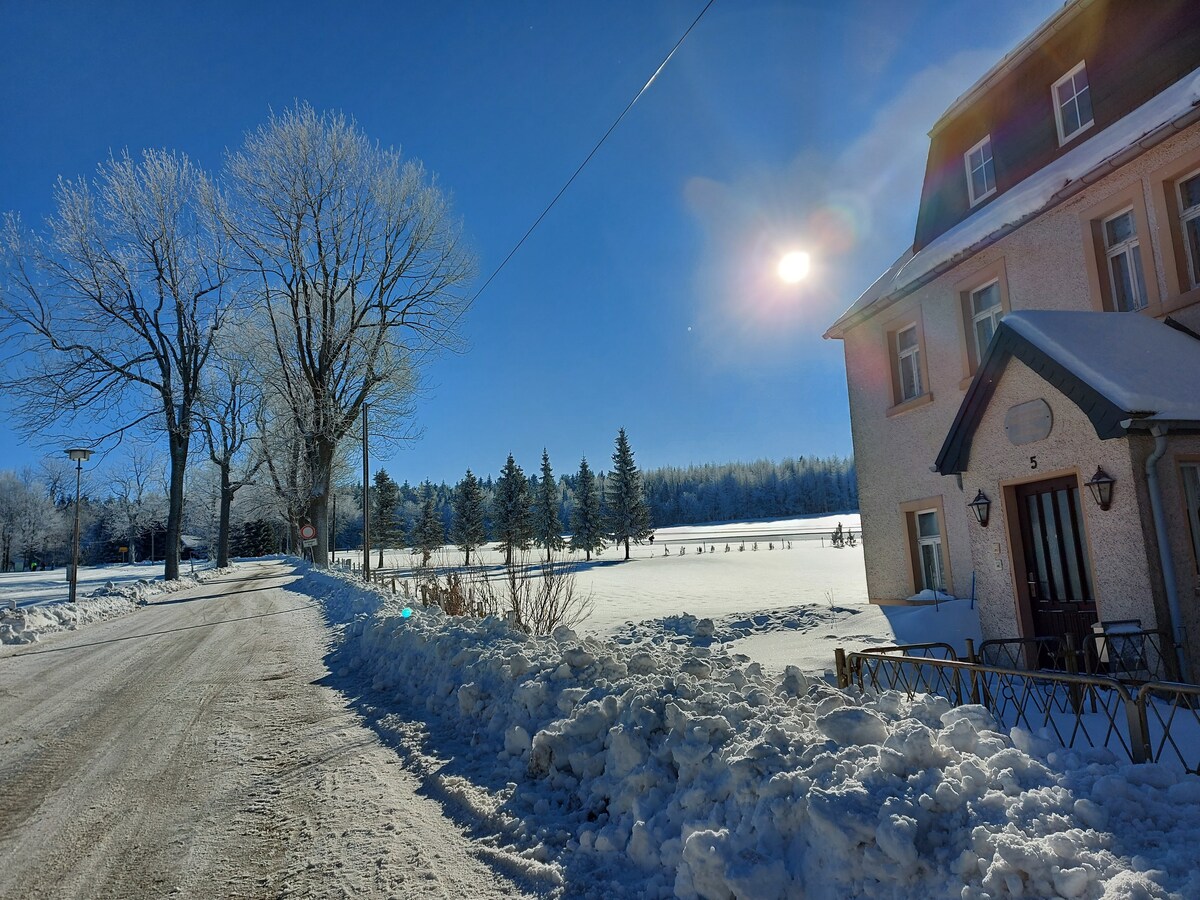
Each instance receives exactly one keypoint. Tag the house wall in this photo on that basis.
(1047, 264)
(1121, 566)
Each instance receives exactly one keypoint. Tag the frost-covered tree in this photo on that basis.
(628, 514)
(429, 533)
(587, 522)
(385, 513)
(227, 412)
(468, 531)
(547, 529)
(358, 267)
(512, 523)
(110, 314)
(133, 487)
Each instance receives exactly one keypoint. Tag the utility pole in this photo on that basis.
(366, 501)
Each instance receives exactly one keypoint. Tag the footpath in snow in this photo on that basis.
(652, 766)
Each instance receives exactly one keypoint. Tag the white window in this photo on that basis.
(986, 313)
(1189, 218)
(981, 170)
(908, 361)
(1191, 494)
(929, 547)
(1124, 262)
(1072, 103)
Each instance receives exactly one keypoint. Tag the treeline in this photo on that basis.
(675, 495)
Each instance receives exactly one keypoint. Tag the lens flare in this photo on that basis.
(406, 612)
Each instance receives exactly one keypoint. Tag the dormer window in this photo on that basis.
(1072, 104)
(981, 171)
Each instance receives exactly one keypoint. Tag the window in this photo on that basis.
(1191, 496)
(929, 550)
(908, 361)
(981, 170)
(986, 313)
(1121, 248)
(1072, 104)
(1189, 220)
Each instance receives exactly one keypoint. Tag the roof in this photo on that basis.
(1126, 371)
(1151, 122)
(1027, 47)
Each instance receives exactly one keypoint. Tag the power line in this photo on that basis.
(580, 168)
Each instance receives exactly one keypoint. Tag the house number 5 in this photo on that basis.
(1033, 462)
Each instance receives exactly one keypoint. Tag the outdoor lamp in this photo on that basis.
(981, 506)
(1100, 485)
(77, 455)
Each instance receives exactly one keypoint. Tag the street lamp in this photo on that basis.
(78, 455)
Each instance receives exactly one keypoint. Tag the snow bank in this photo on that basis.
(27, 624)
(665, 769)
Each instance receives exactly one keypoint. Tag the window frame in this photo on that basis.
(1164, 184)
(1184, 215)
(1063, 138)
(1131, 249)
(995, 313)
(1191, 513)
(1092, 219)
(939, 557)
(991, 159)
(910, 511)
(993, 273)
(911, 353)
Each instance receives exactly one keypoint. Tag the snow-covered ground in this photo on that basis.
(34, 604)
(662, 764)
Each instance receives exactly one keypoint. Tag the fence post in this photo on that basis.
(971, 651)
(839, 667)
(1139, 730)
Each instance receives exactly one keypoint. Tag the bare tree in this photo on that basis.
(113, 309)
(227, 414)
(132, 488)
(359, 269)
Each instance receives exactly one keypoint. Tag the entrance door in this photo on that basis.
(1057, 568)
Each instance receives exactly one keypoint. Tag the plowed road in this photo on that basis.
(190, 749)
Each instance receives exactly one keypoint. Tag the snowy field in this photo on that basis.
(50, 586)
(791, 601)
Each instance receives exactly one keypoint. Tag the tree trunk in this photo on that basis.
(627, 548)
(223, 525)
(179, 451)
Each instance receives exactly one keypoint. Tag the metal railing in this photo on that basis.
(1136, 656)
(1160, 722)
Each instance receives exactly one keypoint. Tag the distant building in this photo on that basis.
(1046, 325)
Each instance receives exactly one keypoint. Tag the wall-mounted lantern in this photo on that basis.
(1101, 486)
(981, 506)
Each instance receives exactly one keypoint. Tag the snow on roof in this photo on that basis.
(1140, 365)
(1033, 195)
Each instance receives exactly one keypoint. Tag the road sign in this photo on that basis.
(310, 542)
(308, 533)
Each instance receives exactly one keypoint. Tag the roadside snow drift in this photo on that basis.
(669, 769)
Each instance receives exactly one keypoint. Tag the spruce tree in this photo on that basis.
(428, 533)
(547, 529)
(385, 524)
(628, 513)
(511, 518)
(587, 524)
(468, 531)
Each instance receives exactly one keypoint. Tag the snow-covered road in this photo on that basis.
(194, 749)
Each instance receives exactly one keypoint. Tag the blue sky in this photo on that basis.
(647, 299)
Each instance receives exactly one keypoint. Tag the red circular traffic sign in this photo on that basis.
(307, 532)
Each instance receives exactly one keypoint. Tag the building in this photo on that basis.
(1040, 341)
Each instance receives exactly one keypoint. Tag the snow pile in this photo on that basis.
(28, 624)
(664, 769)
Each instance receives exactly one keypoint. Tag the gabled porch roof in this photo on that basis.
(1125, 371)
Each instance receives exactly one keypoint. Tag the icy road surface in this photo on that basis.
(192, 749)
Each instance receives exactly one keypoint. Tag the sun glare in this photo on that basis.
(794, 267)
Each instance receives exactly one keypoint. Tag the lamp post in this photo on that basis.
(78, 455)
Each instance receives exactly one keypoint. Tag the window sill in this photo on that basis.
(908, 405)
(1174, 304)
(966, 382)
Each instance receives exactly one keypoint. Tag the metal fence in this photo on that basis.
(1156, 722)
(1135, 656)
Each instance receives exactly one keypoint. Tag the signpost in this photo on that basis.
(308, 535)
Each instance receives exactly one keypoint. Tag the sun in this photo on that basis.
(794, 266)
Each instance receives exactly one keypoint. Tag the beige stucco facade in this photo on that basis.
(1052, 262)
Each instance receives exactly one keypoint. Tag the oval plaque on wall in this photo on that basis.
(1028, 422)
